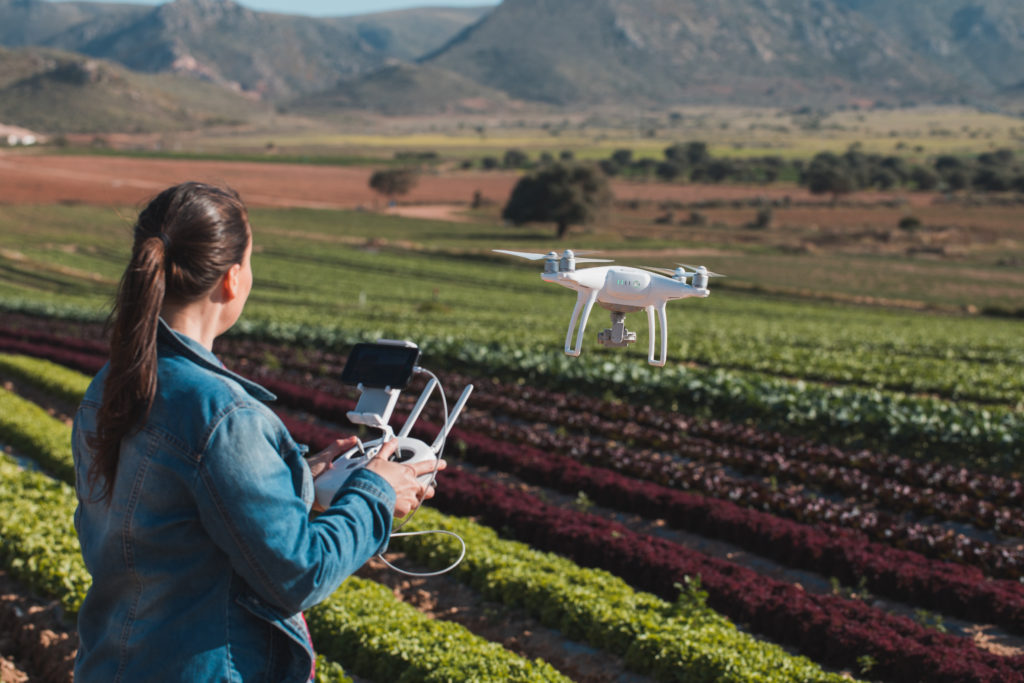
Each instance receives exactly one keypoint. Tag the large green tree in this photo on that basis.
(567, 194)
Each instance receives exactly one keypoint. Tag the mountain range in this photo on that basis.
(560, 53)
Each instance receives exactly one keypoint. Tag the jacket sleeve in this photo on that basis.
(248, 504)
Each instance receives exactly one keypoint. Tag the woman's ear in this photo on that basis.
(231, 282)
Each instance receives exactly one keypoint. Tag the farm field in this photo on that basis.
(823, 484)
(596, 132)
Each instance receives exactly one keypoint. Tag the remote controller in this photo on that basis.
(381, 371)
(409, 452)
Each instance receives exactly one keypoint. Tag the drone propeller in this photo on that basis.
(536, 257)
(522, 254)
(656, 269)
(701, 268)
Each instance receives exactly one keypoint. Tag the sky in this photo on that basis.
(335, 8)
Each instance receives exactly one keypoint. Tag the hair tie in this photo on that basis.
(165, 239)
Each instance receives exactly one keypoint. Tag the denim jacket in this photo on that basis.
(206, 555)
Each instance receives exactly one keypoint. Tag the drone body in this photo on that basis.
(621, 290)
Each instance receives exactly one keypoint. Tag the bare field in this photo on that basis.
(100, 180)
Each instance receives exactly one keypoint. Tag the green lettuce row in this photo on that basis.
(32, 431)
(991, 439)
(685, 641)
(38, 543)
(39, 546)
(56, 380)
(913, 426)
(387, 640)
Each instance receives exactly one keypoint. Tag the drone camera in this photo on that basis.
(617, 335)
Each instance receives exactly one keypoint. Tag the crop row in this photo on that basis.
(831, 551)
(691, 471)
(826, 628)
(652, 635)
(645, 425)
(706, 475)
(918, 426)
(671, 644)
(625, 421)
(900, 574)
(39, 546)
(988, 382)
(895, 495)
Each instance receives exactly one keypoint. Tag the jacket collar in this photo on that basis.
(201, 356)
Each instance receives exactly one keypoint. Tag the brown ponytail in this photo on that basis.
(185, 239)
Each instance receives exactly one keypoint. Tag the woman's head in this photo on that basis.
(187, 241)
(196, 232)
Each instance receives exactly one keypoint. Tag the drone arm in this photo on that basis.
(663, 320)
(585, 299)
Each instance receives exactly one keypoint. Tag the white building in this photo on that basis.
(15, 136)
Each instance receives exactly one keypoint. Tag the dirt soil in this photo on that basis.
(35, 644)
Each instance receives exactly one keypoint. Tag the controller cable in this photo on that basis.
(440, 453)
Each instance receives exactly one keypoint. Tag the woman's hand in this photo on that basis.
(320, 462)
(409, 492)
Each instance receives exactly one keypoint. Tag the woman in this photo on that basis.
(194, 500)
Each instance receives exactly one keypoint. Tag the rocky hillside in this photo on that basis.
(560, 52)
(275, 56)
(753, 51)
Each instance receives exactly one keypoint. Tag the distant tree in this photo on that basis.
(567, 194)
(392, 182)
(670, 170)
(829, 174)
(720, 169)
(1000, 157)
(957, 179)
(883, 179)
(910, 223)
(924, 178)
(515, 158)
(948, 163)
(691, 153)
(622, 157)
(897, 167)
(993, 179)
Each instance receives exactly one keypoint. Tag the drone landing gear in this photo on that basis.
(617, 335)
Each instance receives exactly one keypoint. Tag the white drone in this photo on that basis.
(621, 290)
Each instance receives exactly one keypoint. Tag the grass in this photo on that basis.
(405, 278)
(730, 132)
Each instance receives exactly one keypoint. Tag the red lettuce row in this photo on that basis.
(832, 475)
(903, 575)
(704, 475)
(829, 629)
